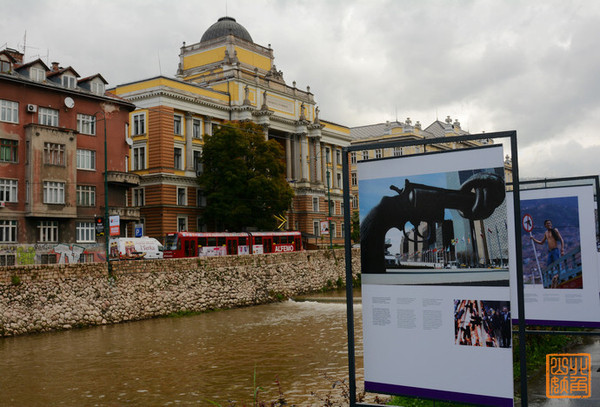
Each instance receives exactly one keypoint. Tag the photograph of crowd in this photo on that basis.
(482, 323)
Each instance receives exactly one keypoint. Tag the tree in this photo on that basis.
(243, 178)
(355, 233)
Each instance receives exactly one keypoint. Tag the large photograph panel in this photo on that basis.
(435, 282)
(560, 258)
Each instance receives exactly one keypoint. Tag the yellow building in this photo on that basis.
(227, 77)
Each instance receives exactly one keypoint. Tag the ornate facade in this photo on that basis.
(227, 77)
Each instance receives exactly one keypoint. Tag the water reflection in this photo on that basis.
(188, 360)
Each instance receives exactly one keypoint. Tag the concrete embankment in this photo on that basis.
(52, 297)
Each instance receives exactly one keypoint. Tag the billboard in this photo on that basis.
(560, 257)
(435, 282)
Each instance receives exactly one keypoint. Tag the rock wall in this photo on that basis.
(52, 297)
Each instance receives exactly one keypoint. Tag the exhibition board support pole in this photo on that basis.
(519, 266)
(349, 281)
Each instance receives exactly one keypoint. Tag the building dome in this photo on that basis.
(226, 26)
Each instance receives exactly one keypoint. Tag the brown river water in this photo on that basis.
(194, 360)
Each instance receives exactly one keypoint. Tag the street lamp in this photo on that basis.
(329, 207)
(106, 228)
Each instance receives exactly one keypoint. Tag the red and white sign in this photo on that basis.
(284, 248)
(114, 224)
(527, 223)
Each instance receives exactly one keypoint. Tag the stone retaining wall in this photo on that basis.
(52, 297)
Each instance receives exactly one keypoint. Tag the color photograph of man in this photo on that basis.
(551, 249)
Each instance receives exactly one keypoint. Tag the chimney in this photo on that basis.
(55, 66)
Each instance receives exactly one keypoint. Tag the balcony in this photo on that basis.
(126, 179)
(125, 213)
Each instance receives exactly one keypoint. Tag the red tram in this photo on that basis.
(198, 244)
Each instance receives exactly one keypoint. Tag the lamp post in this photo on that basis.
(329, 208)
(106, 227)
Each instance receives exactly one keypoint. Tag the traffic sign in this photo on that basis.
(527, 223)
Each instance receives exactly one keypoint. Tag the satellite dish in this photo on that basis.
(69, 102)
(129, 141)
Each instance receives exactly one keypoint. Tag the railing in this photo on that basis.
(566, 268)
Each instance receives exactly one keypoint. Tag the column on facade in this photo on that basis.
(323, 164)
(318, 156)
(303, 156)
(207, 125)
(288, 156)
(189, 134)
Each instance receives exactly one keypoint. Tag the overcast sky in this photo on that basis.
(531, 66)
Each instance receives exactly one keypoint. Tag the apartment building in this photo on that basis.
(53, 128)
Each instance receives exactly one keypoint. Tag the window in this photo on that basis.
(86, 195)
(139, 158)
(48, 231)
(139, 124)
(181, 196)
(198, 162)
(397, 151)
(315, 203)
(338, 156)
(9, 111)
(177, 158)
(86, 258)
(8, 150)
(48, 258)
(316, 227)
(7, 259)
(85, 232)
(86, 160)
(37, 74)
(177, 124)
(378, 153)
(138, 196)
(8, 231)
(341, 208)
(365, 154)
(197, 128)
(332, 229)
(353, 179)
(86, 124)
(69, 81)
(200, 199)
(5, 66)
(54, 154)
(339, 180)
(48, 117)
(8, 190)
(354, 202)
(343, 229)
(353, 157)
(181, 223)
(97, 88)
(54, 192)
(327, 155)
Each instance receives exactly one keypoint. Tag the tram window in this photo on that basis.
(258, 240)
(202, 241)
(211, 241)
(276, 240)
(242, 241)
(220, 241)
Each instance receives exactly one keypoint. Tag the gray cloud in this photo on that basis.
(529, 66)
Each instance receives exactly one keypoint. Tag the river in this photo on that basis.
(192, 360)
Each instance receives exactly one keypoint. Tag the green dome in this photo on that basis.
(226, 26)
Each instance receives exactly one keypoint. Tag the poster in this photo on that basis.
(560, 258)
(435, 282)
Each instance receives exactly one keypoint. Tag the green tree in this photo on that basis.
(243, 178)
(355, 233)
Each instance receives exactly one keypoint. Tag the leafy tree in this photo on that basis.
(243, 179)
(355, 233)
